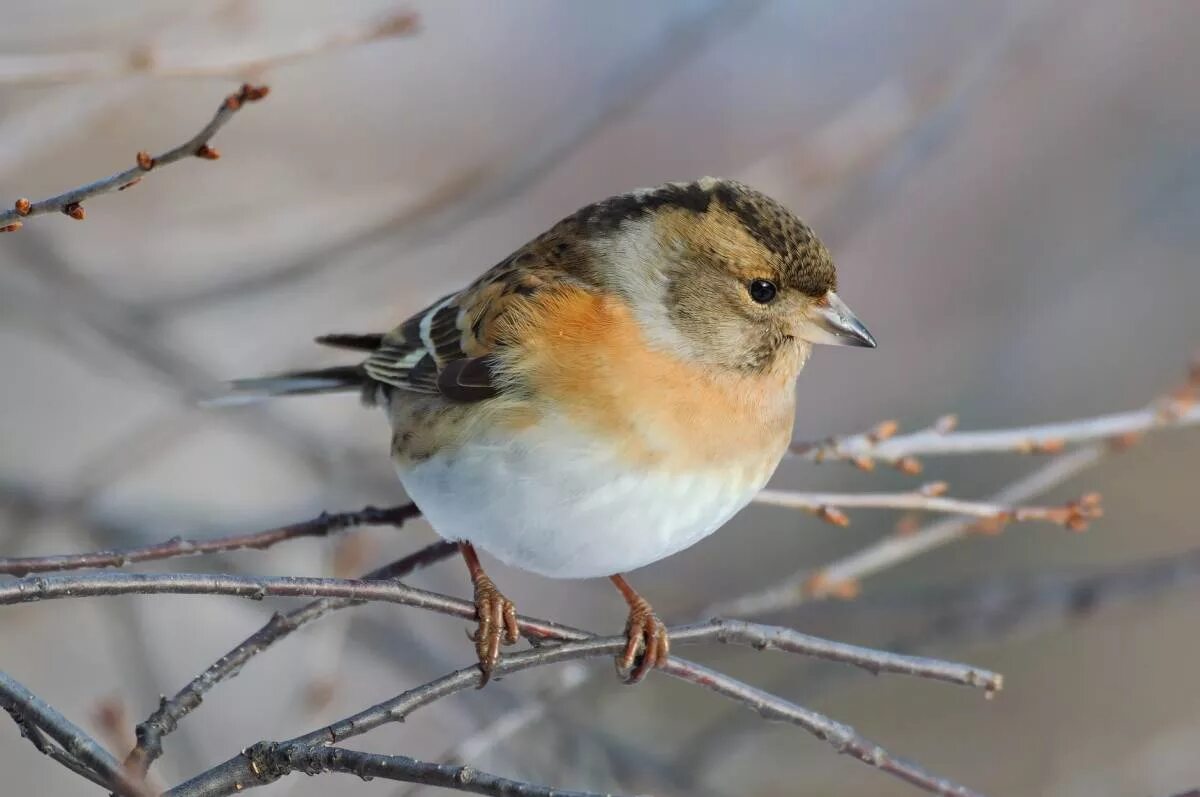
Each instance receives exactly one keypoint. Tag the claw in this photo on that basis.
(497, 624)
(647, 645)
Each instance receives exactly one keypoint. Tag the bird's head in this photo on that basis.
(722, 273)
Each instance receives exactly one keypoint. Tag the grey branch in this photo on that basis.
(843, 576)
(166, 717)
(70, 202)
(79, 751)
(1074, 515)
(582, 645)
(271, 761)
(37, 588)
(884, 445)
(320, 526)
(238, 773)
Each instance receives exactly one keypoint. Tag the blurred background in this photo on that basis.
(1011, 190)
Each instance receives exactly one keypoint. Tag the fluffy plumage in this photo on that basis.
(611, 392)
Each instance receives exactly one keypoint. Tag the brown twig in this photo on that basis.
(321, 526)
(1074, 515)
(70, 202)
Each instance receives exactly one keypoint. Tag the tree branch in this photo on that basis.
(321, 526)
(37, 588)
(237, 773)
(234, 774)
(271, 761)
(1108, 433)
(166, 717)
(883, 444)
(70, 202)
(146, 59)
(842, 578)
(80, 752)
(1074, 515)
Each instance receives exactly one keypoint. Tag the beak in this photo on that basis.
(831, 322)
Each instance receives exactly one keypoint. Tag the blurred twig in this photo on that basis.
(841, 578)
(321, 526)
(147, 59)
(166, 717)
(479, 189)
(990, 612)
(1074, 515)
(79, 752)
(70, 202)
(882, 444)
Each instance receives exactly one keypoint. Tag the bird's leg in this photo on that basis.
(497, 615)
(646, 635)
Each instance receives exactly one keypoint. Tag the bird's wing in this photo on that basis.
(450, 348)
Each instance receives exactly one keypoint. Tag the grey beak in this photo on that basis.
(831, 322)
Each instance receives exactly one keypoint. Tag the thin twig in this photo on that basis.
(481, 188)
(1074, 515)
(1108, 433)
(166, 717)
(321, 526)
(841, 578)
(70, 202)
(146, 59)
(79, 747)
(238, 773)
(882, 444)
(36, 588)
(272, 761)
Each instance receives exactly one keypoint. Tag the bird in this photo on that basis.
(608, 395)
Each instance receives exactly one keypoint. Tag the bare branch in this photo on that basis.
(80, 752)
(237, 773)
(70, 202)
(321, 526)
(146, 59)
(841, 578)
(271, 761)
(882, 444)
(36, 588)
(1108, 433)
(1074, 515)
(166, 717)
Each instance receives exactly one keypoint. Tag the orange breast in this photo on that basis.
(586, 355)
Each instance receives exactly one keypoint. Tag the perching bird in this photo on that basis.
(608, 395)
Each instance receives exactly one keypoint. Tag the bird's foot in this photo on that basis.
(497, 624)
(647, 645)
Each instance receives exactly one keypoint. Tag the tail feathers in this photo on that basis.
(344, 340)
(339, 379)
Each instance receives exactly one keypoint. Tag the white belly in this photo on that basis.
(554, 503)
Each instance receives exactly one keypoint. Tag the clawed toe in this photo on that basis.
(497, 624)
(647, 645)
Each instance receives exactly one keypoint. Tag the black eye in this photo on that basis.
(762, 291)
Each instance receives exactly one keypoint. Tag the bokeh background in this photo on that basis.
(1011, 190)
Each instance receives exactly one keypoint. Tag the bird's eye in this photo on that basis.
(762, 291)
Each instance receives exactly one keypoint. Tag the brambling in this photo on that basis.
(607, 395)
